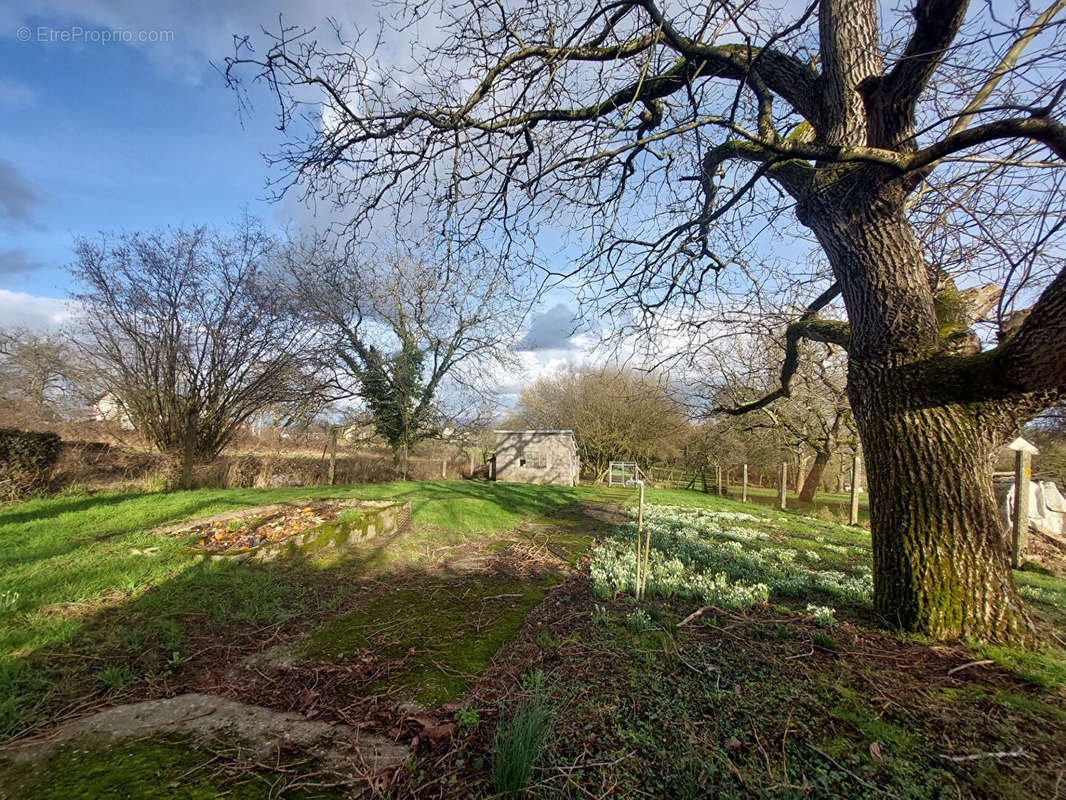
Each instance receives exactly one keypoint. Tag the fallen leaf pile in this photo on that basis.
(254, 531)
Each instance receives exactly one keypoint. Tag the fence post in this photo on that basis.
(782, 486)
(1024, 450)
(638, 586)
(332, 455)
(856, 465)
(444, 467)
(744, 490)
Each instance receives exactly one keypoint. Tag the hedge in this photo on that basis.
(26, 461)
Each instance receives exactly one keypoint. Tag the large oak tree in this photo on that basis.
(667, 137)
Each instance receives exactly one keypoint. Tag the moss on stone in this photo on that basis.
(446, 629)
(163, 768)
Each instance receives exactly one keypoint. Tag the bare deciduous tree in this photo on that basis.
(673, 139)
(189, 331)
(814, 413)
(615, 414)
(405, 327)
(37, 374)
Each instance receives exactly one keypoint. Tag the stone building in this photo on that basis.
(536, 457)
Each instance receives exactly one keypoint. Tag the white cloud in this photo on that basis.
(22, 310)
(551, 330)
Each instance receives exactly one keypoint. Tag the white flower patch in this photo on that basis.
(718, 591)
(613, 569)
(698, 553)
(836, 548)
(780, 554)
(1033, 593)
(857, 589)
(823, 615)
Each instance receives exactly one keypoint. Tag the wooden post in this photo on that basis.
(647, 545)
(718, 471)
(638, 587)
(856, 464)
(744, 490)
(444, 467)
(332, 477)
(782, 486)
(1023, 452)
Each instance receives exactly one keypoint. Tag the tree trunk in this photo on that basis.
(814, 477)
(188, 453)
(928, 432)
(823, 450)
(940, 557)
(185, 479)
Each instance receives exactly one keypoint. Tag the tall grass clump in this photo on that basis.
(520, 737)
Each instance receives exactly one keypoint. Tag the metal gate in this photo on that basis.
(623, 473)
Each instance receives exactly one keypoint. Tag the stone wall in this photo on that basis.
(376, 518)
(536, 457)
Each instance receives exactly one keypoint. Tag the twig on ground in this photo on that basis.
(840, 766)
(1019, 753)
(699, 612)
(982, 663)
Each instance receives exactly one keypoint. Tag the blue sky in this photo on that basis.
(104, 136)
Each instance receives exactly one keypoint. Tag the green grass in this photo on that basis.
(81, 570)
(521, 734)
(67, 556)
(832, 506)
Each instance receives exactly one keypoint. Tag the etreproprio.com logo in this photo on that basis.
(77, 34)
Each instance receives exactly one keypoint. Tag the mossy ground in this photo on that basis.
(163, 768)
(442, 630)
(97, 591)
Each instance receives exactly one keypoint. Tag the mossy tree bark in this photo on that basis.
(930, 413)
(939, 553)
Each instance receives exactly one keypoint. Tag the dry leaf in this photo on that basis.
(875, 751)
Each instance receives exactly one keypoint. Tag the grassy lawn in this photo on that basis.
(786, 685)
(831, 506)
(88, 572)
